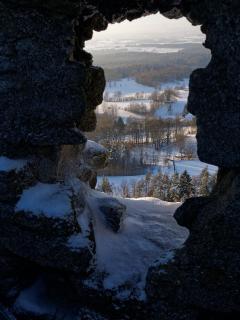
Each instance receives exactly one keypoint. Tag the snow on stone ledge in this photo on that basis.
(51, 200)
(77, 241)
(93, 147)
(7, 164)
(149, 233)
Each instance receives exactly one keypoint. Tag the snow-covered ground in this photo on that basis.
(7, 164)
(175, 109)
(96, 45)
(149, 232)
(149, 235)
(120, 109)
(129, 87)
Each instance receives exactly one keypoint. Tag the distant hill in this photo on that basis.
(150, 68)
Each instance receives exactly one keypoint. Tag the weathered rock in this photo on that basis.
(113, 212)
(43, 227)
(38, 109)
(188, 213)
(216, 105)
(82, 161)
(204, 274)
(95, 155)
(15, 274)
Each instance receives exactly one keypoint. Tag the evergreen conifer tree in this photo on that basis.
(186, 188)
(105, 186)
(212, 181)
(204, 183)
(174, 191)
(157, 186)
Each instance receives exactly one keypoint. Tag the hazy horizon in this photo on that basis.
(153, 26)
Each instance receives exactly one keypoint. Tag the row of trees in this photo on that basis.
(158, 95)
(127, 142)
(172, 188)
(150, 130)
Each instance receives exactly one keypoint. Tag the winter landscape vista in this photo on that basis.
(100, 174)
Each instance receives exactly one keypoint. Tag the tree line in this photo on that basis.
(171, 188)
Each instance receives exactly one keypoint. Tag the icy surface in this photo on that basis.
(51, 200)
(7, 164)
(149, 232)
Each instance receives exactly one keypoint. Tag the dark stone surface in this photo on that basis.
(15, 274)
(214, 91)
(44, 93)
(44, 240)
(113, 212)
(204, 274)
(187, 213)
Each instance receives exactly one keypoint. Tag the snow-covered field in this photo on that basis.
(175, 109)
(97, 45)
(119, 109)
(129, 87)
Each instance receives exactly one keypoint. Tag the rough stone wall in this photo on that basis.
(44, 91)
(48, 92)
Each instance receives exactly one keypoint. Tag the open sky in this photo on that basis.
(155, 26)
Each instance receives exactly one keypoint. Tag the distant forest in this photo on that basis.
(152, 68)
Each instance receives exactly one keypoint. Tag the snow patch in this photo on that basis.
(51, 200)
(77, 242)
(93, 146)
(149, 232)
(7, 164)
(127, 87)
(175, 109)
